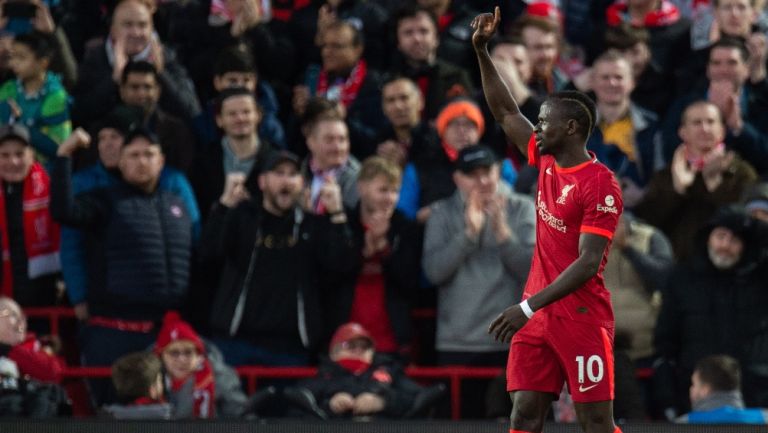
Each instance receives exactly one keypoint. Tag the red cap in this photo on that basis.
(349, 331)
(174, 329)
(545, 10)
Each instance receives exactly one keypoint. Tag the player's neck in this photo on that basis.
(572, 157)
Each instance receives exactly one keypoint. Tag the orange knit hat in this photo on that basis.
(462, 107)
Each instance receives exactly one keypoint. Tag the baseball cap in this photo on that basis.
(16, 131)
(349, 331)
(473, 157)
(141, 132)
(278, 157)
(545, 9)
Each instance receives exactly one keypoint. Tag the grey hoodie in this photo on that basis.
(476, 280)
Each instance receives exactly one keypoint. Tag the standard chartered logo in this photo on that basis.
(547, 217)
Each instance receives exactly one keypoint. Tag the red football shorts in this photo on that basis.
(550, 350)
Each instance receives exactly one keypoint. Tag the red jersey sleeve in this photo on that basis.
(602, 204)
(533, 152)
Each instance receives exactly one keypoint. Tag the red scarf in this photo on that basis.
(203, 391)
(41, 233)
(665, 15)
(450, 152)
(354, 365)
(348, 89)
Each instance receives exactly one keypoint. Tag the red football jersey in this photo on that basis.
(571, 201)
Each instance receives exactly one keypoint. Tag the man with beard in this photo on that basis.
(266, 309)
(716, 303)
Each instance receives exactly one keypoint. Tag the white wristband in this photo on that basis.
(526, 309)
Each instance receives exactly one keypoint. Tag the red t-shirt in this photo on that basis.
(369, 307)
(570, 201)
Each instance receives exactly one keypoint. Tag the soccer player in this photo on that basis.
(563, 329)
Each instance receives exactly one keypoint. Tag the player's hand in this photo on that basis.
(485, 26)
(496, 208)
(330, 196)
(121, 58)
(234, 190)
(474, 215)
(393, 151)
(507, 323)
(368, 403)
(682, 174)
(341, 402)
(77, 139)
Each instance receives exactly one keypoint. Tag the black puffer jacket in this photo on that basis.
(708, 311)
(139, 245)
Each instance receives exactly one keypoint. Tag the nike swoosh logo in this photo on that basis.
(582, 388)
(548, 171)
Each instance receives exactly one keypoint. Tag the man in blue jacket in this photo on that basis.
(110, 136)
(716, 394)
(139, 241)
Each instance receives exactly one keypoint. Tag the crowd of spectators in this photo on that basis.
(273, 170)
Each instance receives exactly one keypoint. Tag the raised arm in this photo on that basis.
(503, 106)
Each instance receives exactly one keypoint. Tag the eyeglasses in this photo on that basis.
(176, 353)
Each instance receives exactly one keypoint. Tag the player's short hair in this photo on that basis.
(409, 11)
(134, 375)
(721, 372)
(232, 92)
(625, 36)
(39, 43)
(577, 106)
(376, 166)
(139, 67)
(611, 55)
(394, 77)
(357, 35)
(319, 109)
(544, 24)
(236, 58)
(730, 42)
(700, 103)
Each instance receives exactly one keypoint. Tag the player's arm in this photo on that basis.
(503, 106)
(591, 249)
(586, 266)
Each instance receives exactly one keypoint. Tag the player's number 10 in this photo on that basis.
(593, 363)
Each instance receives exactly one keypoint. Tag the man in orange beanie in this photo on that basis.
(459, 124)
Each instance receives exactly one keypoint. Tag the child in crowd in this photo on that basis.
(198, 383)
(36, 97)
(139, 383)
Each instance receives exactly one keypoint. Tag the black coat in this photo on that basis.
(384, 378)
(401, 271)
(322, 248)
(706, 311)
(139, 245)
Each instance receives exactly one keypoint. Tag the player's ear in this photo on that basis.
(572, 126)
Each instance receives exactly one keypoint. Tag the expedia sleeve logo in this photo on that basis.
(609, 205)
